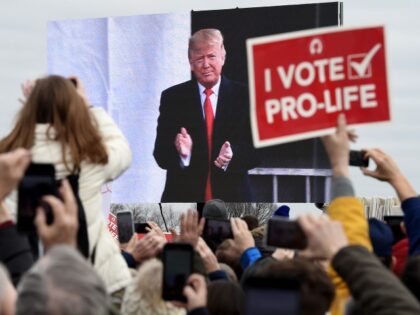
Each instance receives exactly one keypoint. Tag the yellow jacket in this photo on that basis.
(350, 212)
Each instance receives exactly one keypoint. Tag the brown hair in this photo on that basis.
(316, 289)
(55, 101)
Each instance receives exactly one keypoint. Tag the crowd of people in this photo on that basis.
(72, 265)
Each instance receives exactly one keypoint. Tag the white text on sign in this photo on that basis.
(324, 70)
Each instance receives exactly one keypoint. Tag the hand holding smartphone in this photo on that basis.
(141, 228)
(177, 267)
(284, 233)
(217, 229)
(38, 181)
(125, 226)
(357, 158)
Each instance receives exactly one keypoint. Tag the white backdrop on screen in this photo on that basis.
(125, 63)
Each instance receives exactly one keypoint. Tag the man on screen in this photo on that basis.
(203, 134)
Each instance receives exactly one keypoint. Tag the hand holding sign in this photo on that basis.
(320, 74)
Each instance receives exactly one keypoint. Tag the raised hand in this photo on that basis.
(387, 170)
(208, 257)
(225, 155)
(63, 229)
(26, 88)
(241, 235)
(191, 229)
(12, 168)
(196, 292)
(79, 88)
(337, 147)
(325, 236)
(183, 143)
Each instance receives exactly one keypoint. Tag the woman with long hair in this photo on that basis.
(57, 125)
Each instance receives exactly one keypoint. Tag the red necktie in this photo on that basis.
(208, 112)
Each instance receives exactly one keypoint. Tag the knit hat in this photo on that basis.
(381, 237)
(282, 211)
(215, 209)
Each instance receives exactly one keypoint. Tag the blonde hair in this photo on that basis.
(210, 36)
(144, 294)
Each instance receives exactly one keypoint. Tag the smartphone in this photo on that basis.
(285, 233)
(141, 228)
(357, 158)
(125, 226)
(272, 296)
(217, 229)
(38, 181)
(177, 267)
(394, 222)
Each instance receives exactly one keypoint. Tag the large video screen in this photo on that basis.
(139, 69)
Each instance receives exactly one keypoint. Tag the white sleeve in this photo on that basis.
(185, 161)
(118, 149)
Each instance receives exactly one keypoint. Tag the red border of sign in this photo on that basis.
(307, 135)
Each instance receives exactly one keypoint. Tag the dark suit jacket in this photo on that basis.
(180, 106)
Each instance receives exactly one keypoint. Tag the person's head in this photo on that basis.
(64, 283)
(228, 253)
(7, 293)
(215, 209)
(382, 239)
(225, 298)
(259, 234)
(144, 294)
(315, 288)
(251, 221)
(55, 102)
(229, 271)
(206, 54)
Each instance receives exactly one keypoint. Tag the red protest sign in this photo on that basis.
(299, 82)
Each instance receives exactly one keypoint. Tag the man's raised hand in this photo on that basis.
(225, 155)
(387, 170)
(183, 143)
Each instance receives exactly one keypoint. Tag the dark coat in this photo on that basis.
(180, 106)
(374, 288)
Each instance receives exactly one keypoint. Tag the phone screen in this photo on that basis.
(125, 226)
(177, 267)
(285, 233)
(357, 159)
(141, 227)
(271, 296)
(271, 301)
(217, 229)
(38, 181)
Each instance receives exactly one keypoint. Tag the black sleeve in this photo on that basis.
(199, 311)
(374, 288)
(165, 153)
(15, 252)
(244, 154)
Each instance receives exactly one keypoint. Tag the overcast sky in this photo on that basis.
(23, 27)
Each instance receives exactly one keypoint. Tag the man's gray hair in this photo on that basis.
(210, 36)
(64, 283)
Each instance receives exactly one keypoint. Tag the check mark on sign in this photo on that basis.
(361, 67)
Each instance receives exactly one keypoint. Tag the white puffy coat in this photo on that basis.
(109, 263)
